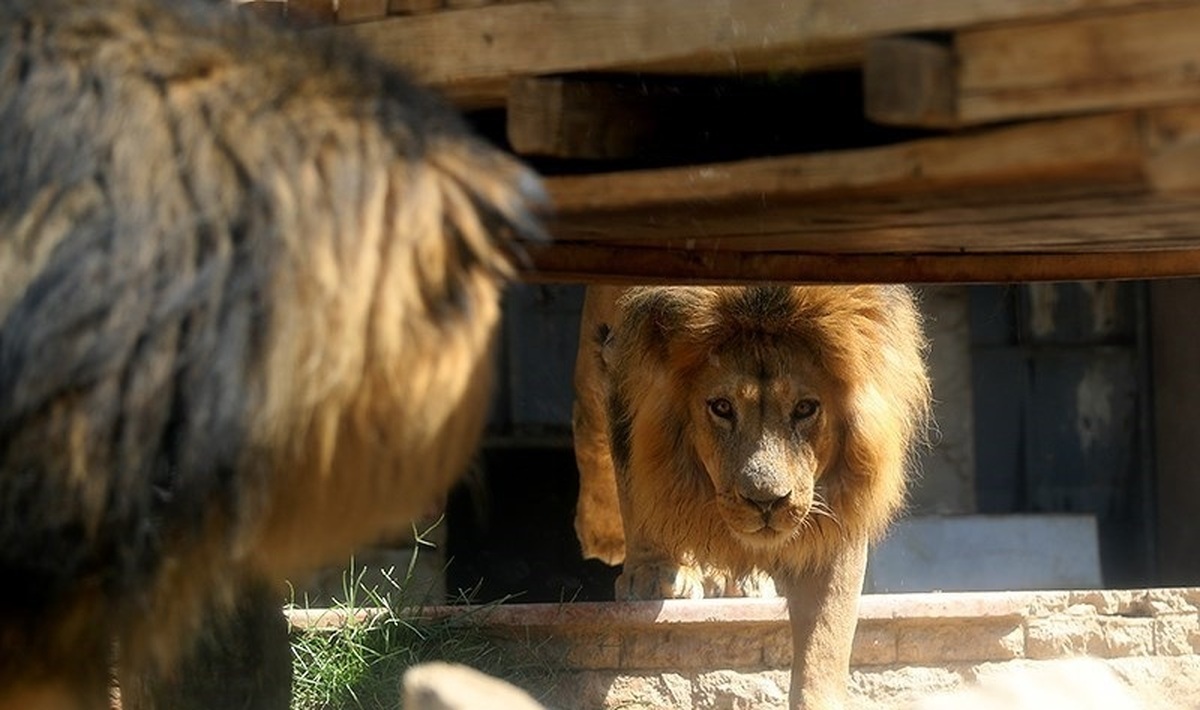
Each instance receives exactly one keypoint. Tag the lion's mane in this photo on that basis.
(869, 342)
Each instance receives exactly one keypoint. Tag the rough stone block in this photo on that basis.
(741, 691)
(1177, 634)
(444, 686)
(961, 641)
(594, 652)
(1064, 636)
(899, 684)
(874, 645)
(644, 692)
(1128, 637)
(777, 647)
(693, 649)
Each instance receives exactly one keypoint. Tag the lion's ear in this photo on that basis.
(654, 317)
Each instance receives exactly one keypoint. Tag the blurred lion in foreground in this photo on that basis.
(730, 431)
(248, 289)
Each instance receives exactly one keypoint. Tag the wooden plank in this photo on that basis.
(1111, 196)
(1130, 59)
(1094, 150)
(312, 12)
(413, 7)
(268, 9)
(474, 52)
(1042, 222)
(361, 10)
(585, 263)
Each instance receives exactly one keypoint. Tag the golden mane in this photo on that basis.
(868, 340)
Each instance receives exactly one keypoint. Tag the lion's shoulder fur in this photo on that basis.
(249, 279)
(869, 342)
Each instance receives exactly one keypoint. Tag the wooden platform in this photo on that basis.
(810, 140)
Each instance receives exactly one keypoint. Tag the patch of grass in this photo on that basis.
(358, 665)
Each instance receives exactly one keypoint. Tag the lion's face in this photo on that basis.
(763, 423)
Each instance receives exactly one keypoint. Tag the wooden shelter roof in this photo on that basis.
(944, 141)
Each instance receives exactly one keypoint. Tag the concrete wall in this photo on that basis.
(946, 485)
(1175, 337)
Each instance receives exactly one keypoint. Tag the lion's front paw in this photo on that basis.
(600, 537)
(755, 583)
(659, 580)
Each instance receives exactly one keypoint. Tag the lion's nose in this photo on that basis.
(764, 500)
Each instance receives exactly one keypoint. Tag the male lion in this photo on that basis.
(249, 284)
(745, 429)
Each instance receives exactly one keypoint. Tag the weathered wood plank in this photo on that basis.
(1096, 150)
(1128, 59)
(1111, 196)
(1041, 223)
(413, 7)
(585, 263)
(474, 52)
(361, 10)
(312, 12)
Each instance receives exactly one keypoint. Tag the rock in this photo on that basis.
(1074, 684)
(445, 686)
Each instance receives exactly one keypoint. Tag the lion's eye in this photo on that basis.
(805, 409)
(721, 407)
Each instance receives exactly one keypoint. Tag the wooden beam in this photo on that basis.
(1130, 59)
(1098, 150)
(473, 52)
(577, 263)
(413, 7)
(1033, 222)
(361, 10)
(1111, 196)
(311, 12)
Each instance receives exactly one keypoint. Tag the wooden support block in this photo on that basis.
(566, 118)
(413, 7)
(1173, 149)
(1119, 60)
(911, 81)
(361, 10)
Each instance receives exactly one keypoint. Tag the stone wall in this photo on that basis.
(736, 653)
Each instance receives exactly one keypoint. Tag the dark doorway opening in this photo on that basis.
(511, 535)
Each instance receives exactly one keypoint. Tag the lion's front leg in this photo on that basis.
(823, 612)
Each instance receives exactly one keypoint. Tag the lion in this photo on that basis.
(727, 432)
(249, 290)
